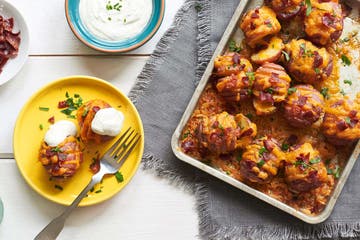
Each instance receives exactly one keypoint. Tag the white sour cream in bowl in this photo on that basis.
(107, 121)
(115, 20)
(58, 132)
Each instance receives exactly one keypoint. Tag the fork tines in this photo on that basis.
(122, 148)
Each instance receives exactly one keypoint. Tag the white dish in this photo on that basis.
(14, 65)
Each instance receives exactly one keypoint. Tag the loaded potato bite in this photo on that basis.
(303, 106)
(237, 87)
(324, 24)
(261, 160)
(231, 63)
(60, 152)
(270, 87)
(341, 124)
(286, 9)
(304, 169)
(222, 133)
(307, 63)
(98, 121)
(259, 23)
(271, 53)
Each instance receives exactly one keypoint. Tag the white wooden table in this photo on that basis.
(148, 208)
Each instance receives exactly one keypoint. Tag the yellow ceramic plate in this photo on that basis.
(28, 136)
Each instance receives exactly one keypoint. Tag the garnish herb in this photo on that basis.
(315, 160)
(72, 104)
(345, 60)
(348, 120)
(86, 110)
(233, 47)
(286, 55)
(249, 115)
(98, 191)
(335, 172)
(116, 6)
(124, 20)
(345, 39)
(58, 187)
(269, 25)
(41, 127)
(56, 149)
(109, 18)
(251, 76)
(308, 7)
(324, 91)
(185, 135)
(262, 150)
(343, 92)
(261, 163)
(302, 163)
(285, 146)
(317, 70)
(292, 90)
(239, 157)
(45, 109)
(269, 90)
(119, 177)
(348, 82)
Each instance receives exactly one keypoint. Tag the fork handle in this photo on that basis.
(52, 230)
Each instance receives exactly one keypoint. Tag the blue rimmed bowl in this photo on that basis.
(80, 31)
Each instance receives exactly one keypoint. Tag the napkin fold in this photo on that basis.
(161, 94)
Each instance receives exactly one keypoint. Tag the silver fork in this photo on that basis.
(110, 163)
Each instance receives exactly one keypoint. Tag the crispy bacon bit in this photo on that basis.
(96, 109)
(266, 97)
(252, 26)
(341, 125)
(254, 15)
(318, 60)
(9, 41)
(188, 146)
(302, 100)
(51, 120)
(269, 145)
(245, 80)
(95, 165)
(352, 113)
(274, 78)
(62, 104)
(247, 132)
(292, 139)
(329, 68)
(328, 20)
(236, 58)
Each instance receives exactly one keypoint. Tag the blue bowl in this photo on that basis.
(80, 31)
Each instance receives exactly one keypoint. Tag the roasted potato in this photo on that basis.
(286, 9)
(235, 87)
(85, 115)
(341, 124)
(271, 86)
(324, 24)
(307, 63)
(221, 133)
(63, 160)
(259, 23)
(271, 53)
(261, 160)
(231, 63)
(303, 106)
(304, 169)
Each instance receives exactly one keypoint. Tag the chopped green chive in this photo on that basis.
(58, 187)
(98, 191)
(308, 7)
(348, 82)
(324, 91)
(317, 70)
(348, 120)
(345, 60)
(292, 90)
(262, 150)
(343, 92)
(45, 109)
(251, 76)
(269, 90)
(41, 127)
(285, 147)
(249, 115)
(119, 177)
(315, 160)
(233, 47)
(261, 163)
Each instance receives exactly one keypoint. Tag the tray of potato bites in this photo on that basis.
(276, 113)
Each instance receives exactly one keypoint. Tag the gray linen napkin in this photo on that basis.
(161, 95)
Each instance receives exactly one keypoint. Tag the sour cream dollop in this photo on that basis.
(107, 121)
(59, 131)
(115, 20)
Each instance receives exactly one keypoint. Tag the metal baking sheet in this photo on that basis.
(233, 32)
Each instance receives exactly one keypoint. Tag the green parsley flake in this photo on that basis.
(269, 90)
(317, 70)
(343, 92)
(285, 147)
(262, 150)
(324, 91)
(345, 60)
(251, 76)
(249, 115)
(58, 187)
(45, 109)
(41, 127)
(98, 191)
(348, 120)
